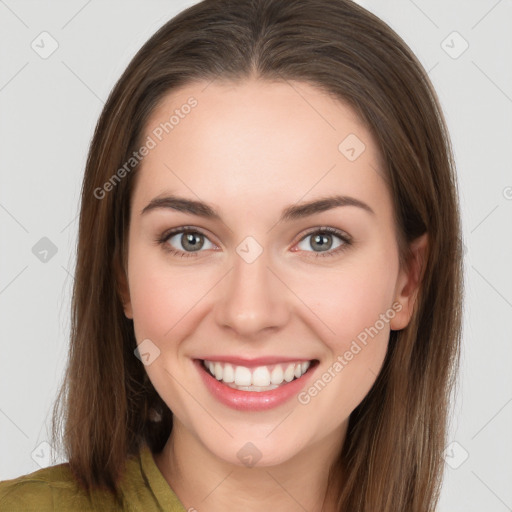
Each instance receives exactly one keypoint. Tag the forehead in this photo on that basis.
(264, 141)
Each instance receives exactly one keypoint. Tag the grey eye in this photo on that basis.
(321, 241)
(190, 241)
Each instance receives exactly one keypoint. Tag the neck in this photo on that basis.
(205, 482)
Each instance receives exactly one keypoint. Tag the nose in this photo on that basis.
(253, 299)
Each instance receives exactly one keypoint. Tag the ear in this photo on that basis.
(409, 281)
(123, 291)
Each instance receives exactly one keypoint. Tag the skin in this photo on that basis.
(250, 149)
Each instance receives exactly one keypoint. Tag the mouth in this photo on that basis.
(259, 378)
(252, 385)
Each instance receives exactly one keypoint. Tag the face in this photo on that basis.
(289, 305)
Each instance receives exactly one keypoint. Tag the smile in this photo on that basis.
(260, 378)
(255, 385)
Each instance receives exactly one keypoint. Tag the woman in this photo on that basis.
(267, 298)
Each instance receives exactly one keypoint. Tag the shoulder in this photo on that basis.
(49, 489)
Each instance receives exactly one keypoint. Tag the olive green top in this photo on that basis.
(53, 489)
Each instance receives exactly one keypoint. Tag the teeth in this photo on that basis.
(289, 373)
(261, 378)
(277, 375)
(253, 388)
(229, 374)
(242, 376)
(218, 371)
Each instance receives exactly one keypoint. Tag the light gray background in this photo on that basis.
(48, 110)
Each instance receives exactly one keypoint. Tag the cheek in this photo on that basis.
(157, 293)
(168, 300)
(350, 300)
(354, 353)
(356, 305)
(161, 298)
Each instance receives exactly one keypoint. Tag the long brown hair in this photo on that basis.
(391, 460)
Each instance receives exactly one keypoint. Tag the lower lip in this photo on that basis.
(253, 400)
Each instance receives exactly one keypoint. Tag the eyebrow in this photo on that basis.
(292, 212)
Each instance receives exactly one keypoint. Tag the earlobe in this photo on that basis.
(409, 282)
(128, 310)
(127, 304)
(123, 292)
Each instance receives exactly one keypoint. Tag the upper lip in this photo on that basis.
(256, 361)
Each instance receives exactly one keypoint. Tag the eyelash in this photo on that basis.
(347, 241)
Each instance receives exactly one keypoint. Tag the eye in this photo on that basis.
(187, 240)
(322, 239)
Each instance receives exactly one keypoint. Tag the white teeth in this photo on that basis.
(289, 373)
(277, 375)
(229, 374)
(253, 388)
(261, 378)
(242, 376)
